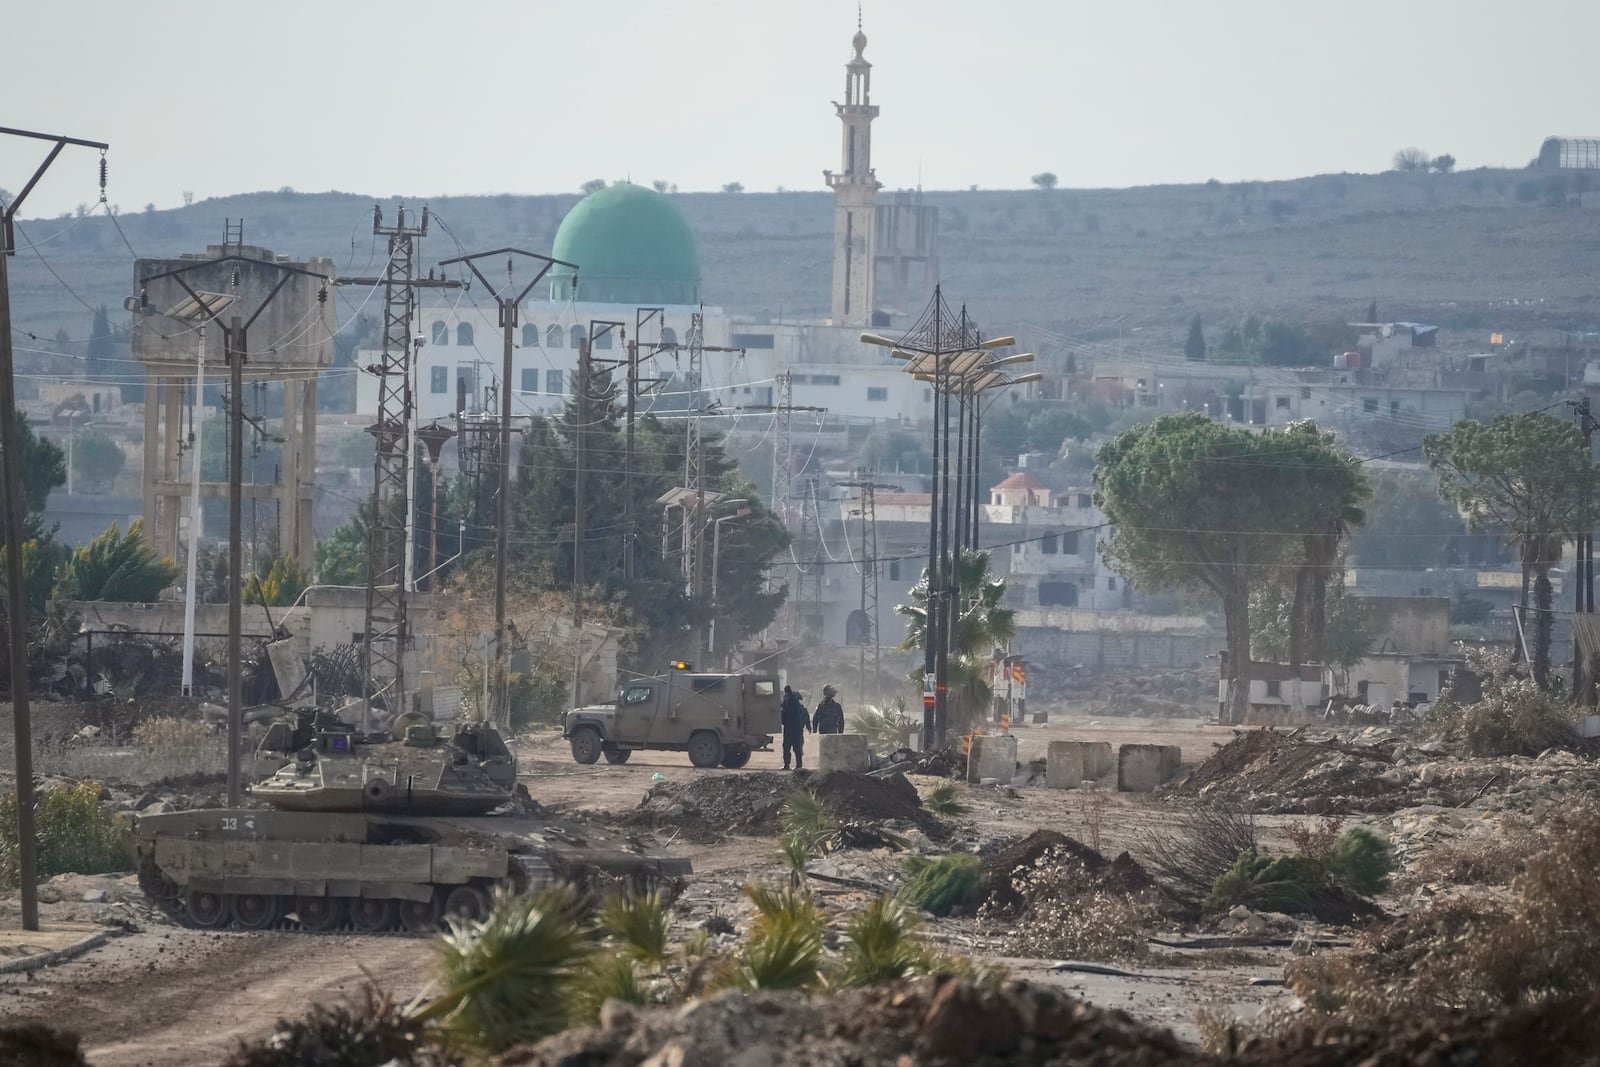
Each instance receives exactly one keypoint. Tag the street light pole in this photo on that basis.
(716, 566)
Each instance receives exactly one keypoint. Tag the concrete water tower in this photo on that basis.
(288, 346)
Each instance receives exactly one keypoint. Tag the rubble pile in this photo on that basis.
(952, 1022)
(1003, 861)
(1155, 694)
(936, 1022)
(1378, 772)
(710, 806)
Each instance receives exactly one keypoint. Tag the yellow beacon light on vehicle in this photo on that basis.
(682, 665)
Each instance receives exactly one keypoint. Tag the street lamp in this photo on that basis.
(716, 561)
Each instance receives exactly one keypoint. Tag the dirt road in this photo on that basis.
(169, 997)
(183, 998)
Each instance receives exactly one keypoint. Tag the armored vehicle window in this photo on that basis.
(765, 687)
(636, 694)
(706, 685)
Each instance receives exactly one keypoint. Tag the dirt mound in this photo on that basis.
(752, 803)
(1377, 773)
(1002, 864)
(1557, 1031)
(936, 1022)
(32, 1044)
(951, 1022)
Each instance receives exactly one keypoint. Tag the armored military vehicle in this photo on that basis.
(371, 832)
(715, 718)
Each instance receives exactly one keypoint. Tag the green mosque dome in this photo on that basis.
(631, 245)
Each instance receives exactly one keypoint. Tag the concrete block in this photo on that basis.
(843, 752)
(1140, 768)
(1068, 764)
(992, 756)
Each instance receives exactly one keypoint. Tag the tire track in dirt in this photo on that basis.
(183, 998)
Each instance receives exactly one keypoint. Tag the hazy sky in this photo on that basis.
(388, 97)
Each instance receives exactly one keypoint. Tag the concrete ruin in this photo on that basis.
(1068, 764)
(1141, 768)
(843, 752)
(992, 756)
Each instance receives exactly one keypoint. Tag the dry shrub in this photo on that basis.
(170, 732)
(1069, 910)
(371, 1032)
(1315, 840)
(1542, 943)
(1206, 843)
(1482, 859)
(1513, 717)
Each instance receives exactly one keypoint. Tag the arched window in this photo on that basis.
(464, 334)
(603, 339)
(857, 628)
(555, 336)
(530, 336)
(669, 336)
(577, 336)
(441, 334)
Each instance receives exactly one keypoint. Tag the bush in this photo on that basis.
(937, 885)
(1361, 862)
(1542, 943)
(74, 834)
(1357, 862)
(1206, 844)
(117, 566)
(1512, 717)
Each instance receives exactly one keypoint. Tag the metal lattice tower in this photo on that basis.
(868, 638)
(694, 461)
(782, 465)
(384, 641)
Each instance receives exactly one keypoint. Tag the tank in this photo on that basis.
(373, 832)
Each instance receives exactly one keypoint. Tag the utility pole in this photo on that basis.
(580, 496)
(11, 476)
(500, 711)
(630, 533)
(385, 635)
(694, 459)
(869, 581)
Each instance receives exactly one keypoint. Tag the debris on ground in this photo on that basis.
(941, 1021)
(949, 1021)
(1004, 861)
(752, 803)
(1061, 898)
(1377, 772)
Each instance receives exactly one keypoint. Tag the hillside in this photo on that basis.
(1474, 251)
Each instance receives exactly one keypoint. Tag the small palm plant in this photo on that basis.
(784, 948)
(509, 978)
(881, 945)
(884, 725)
(812, 828)
(945, 799)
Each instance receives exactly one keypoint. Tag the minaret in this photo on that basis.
(854, 190)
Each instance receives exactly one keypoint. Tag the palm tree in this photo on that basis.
(979, 626)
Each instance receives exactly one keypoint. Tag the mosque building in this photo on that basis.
(635, 251)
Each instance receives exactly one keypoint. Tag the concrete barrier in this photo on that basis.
(1068, 764)
(843, 752)
(1140, 768)
(992, 756)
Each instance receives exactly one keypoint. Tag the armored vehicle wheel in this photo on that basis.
(704, 749)
(735, 756)
(586, 744)
(614, 754)
(467, 902)
(418, 916)
(207, 910)
(319, 914)
(371, 914)
(256, 911)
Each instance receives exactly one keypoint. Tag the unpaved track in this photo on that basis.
(183, 998)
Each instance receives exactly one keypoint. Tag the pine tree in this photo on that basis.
(1194, 349)
(102, 348)
(1372, 311)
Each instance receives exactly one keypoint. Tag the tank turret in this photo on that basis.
(413, 768)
